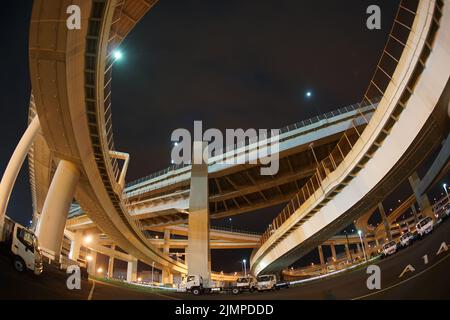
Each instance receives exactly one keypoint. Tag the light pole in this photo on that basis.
(153, 267)
(231, 224)
(245, 267)
(362, 244)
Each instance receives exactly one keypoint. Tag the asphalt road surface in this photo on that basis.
(427, 278)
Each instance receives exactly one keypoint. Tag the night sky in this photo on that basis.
(231, 64)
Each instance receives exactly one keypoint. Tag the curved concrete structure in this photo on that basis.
(406, 126)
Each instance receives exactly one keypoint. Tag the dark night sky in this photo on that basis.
(231, 64)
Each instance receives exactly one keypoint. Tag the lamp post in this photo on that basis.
(245, 267)
(231, 224)
(362, 244)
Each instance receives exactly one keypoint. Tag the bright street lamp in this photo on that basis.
(245, 267)
(99, 270)
(362, 244)
(446, 191)
(117, 55)
(88, 239)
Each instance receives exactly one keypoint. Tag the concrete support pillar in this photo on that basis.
(368, 249)
(132, 270)
(167, 276)
(422, 199)
(111, 264)
(347, 251)
(166, 247)
(414, 211)
(75, 245)
(198, 257)
(13, 168)
(92, 263)
(387, 227)
(333, 252)
(50, 228)
(322, 259)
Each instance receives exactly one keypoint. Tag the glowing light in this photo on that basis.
(308, 94)
(88, 239)
(89, 258)
(117, 55)
(139, 279)
(99, 270)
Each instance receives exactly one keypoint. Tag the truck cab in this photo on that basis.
(247, 283)
(424, 226)
(389, 248)
(406, 239)
(266, 282)
(22, 244)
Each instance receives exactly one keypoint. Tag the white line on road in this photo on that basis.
(92, 290)
(402, 282)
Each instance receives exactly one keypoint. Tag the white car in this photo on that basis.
(266, 282)
(424, 226)
(389, 248)
(406, 239)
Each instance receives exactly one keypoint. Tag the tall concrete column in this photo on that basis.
(75, 245)
(347, 251)
(414, 211)
(333, 252)
(13, 168)
(422, 199)
(167, 276)
(198, 257)
(322, 259)
(92, 263)
(387, 227)
(111, 264)
(50, 228)
(132, 270)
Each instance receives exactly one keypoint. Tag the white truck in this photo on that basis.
(424, 226)
(22, 245)
(196, 285)
(247, 283)
(266, 282)
(406, 239)
(389, 248)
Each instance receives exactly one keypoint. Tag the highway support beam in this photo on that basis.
(51, 224)
(14, 165)
(198, 251)
(132, 270)
(167, 276)
(321, 257)
(387, 227)
(111, 263)
(75, 245)
(91, 264)
(422, 199)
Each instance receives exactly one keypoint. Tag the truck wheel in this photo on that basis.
(19, 264)
(235, 291)
(196, 291)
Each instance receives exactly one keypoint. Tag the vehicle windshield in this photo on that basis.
(243, 280)
(424, 222)
(390, 244)
(406, 235)
(264, 278)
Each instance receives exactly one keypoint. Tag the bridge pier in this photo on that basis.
(91, 264)
(14, 165)
(111, 263)
(132, 270)
(333, 252)
(51, 224)
(422, 199)
(321, 257)
(347, 251)
(387, 227)
(75, 245)
(198, 251)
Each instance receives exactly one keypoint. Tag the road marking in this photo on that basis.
(92, 290)
(135, 290)
(402, 282)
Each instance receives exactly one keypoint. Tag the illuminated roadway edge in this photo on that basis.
(415, 132)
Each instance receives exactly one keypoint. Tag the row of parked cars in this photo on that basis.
(423, 227)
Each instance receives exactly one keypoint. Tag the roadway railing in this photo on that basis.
(385, 69)
(285, 129)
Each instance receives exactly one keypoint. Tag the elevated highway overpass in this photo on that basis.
(410, 121)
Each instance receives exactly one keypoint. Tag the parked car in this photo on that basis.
(247, 283)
